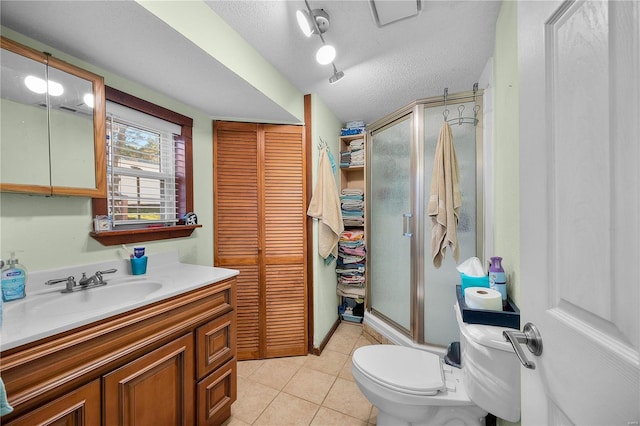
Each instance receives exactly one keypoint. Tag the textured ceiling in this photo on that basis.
(446, 45)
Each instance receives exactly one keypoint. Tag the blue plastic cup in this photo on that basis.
(139, 265)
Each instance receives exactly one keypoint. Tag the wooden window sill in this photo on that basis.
(128, 236)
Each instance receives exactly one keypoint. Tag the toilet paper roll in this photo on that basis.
(483, 298)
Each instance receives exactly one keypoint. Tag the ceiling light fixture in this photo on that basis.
(88, 99)
(318, 25)
(326, 54)
(337, 75)
(35, 84)
(55, 89)
(317, 22)
(40, 86)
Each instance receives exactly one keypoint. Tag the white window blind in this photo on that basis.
(140, 168)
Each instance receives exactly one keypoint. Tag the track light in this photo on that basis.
(307, 24)
(326, 54)
(337, 75)
(40, 86)
(317, 22)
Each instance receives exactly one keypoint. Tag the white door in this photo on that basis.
(579, 85)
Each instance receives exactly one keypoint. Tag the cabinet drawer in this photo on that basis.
(215, 343)
(215, 394)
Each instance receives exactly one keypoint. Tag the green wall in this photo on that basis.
(506, 221)
(506, 153)
(53, 232)
(325, 307)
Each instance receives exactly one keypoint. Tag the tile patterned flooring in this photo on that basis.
(305, 390)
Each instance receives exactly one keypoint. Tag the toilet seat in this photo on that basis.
(401, 369)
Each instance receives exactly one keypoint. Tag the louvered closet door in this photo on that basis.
(236, 224)
(259, 204)
(284, 236)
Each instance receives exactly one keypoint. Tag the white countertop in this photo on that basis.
(46, 311)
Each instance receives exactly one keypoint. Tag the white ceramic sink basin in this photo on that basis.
(121, 291)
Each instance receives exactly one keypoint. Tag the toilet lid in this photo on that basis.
(400, 368)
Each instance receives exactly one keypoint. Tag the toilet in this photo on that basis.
(410, 386)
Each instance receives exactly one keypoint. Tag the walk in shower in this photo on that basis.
(406, 293)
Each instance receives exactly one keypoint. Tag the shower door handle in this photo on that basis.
(406, 225)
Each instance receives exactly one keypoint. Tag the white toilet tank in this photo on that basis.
(491, 369)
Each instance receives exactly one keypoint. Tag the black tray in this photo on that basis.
(510, 317)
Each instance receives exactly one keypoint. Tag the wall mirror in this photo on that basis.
(52, 135)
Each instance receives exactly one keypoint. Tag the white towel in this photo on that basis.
(445, 199)
(325, 205)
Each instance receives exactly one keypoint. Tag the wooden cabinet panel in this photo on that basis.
(156, 389)
(137, 367)
(215, 344)
(77, 408)
(260, 222)
(216, 393)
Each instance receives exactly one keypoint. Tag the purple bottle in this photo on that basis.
(498, 279)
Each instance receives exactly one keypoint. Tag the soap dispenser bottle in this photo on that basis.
(14, 278)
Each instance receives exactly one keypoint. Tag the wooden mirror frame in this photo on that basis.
(99, 117)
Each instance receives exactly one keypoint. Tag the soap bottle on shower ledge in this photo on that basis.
(498, 279)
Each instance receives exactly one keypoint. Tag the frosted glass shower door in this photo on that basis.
(440, 326)
(389, 246)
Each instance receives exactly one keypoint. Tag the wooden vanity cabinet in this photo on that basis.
(76, 408)
(172, 362)
(155, 389)
(216, 370)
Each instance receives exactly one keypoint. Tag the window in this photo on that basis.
(149, 177)
(140, 168)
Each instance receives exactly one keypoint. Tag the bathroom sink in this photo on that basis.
(121, 292)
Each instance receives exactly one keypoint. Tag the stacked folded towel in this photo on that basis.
(353, 128)
(354, 155)
(350, 265)
(345, 159)
(357, 152)
(352, 207)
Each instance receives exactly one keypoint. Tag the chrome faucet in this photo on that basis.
(96, 279)
(71, 283)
